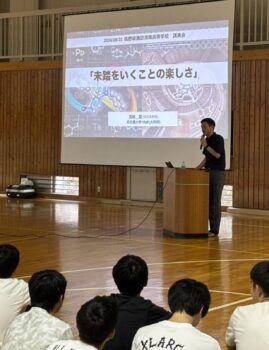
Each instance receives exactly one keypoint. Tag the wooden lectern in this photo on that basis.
(185, 203)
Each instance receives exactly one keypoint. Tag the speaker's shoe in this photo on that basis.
(212, 234)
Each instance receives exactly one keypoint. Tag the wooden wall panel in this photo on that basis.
(30, 129)
(250, 130)
(236, 129)
(30, 122)
(266, 141)
(256, 145)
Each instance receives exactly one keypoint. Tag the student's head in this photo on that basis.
(190, 297)
(9, 260)
(130, 275)
(47, 289)
(208, 126)
(96, 320)
(259, 275)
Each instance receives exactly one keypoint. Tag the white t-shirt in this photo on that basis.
(70, 345)
(249, 327)
(14, 297)
(35, 330)
(174, 336)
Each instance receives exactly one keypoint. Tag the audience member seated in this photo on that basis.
(37, 328)
(248, 326)
(96, 321)
(131, 276)
(189, 301)
(14, 294)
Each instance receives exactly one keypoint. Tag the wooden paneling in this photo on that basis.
(182, 215)
(30, 129)
(250, 164)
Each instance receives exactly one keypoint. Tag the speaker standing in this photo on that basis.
(212, 145)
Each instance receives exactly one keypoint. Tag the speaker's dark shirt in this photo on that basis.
(216, 142)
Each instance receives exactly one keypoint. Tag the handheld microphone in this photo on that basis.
(201, 146)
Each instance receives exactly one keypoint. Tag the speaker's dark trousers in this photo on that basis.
(216, 183)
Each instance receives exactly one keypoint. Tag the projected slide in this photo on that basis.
(148, 82)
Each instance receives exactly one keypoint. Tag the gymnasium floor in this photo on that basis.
(85, 239)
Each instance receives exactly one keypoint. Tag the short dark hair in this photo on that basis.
(45, 289)
(190, 296)
(209, 121)
(9, 260)
(96, 320)
(130, 274)
(259, 274)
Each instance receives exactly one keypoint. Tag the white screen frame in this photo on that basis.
(145, 152)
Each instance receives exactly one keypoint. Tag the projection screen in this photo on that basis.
(136, 84)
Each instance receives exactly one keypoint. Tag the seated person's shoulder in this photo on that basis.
(251, 311)
(157, 313)
(154, 312)
(14, 282)
(14, 289)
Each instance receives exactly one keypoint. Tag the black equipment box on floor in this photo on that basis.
(20, 191)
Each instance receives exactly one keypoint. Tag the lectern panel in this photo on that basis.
(185, 205)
